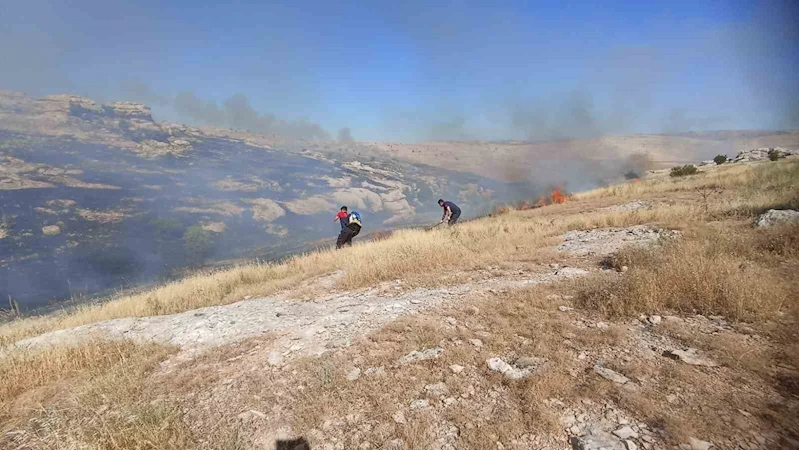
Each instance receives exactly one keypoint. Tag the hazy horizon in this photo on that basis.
(449, 71)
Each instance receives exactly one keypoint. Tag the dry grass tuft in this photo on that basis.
(713, 273)
(89, 396)
(23, 370)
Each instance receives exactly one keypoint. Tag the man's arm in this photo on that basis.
(447, 213)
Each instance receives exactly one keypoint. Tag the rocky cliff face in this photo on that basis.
(134, 199)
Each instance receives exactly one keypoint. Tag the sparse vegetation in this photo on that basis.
(705, 274)
(198, 243)
(682, 171)
(720, 159)
(167, 228)
(774, 154)
(107, 395)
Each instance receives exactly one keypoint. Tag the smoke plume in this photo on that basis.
(236, 112)
(345, 135)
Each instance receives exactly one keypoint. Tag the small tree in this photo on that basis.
(198, 243)
(720, 159)
(681, 171)
(630, 175)
(774, 154)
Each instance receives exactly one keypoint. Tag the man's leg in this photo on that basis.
(343, 237)
(454, 219)
(352, 232)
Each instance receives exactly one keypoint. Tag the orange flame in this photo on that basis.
(557, 196)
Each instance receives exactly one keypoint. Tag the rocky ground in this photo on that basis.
(327, 365)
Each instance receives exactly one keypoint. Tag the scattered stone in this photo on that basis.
(438, 389)
(564, 308)
(671, 398)
(630, 207)
(514, 373)
(476, 342)
(251, 415)
(416, 355)
(654, 320)
(354, 374)
(762, 154)
(630, 445)
(697, 444)
(452, 321)
(745, 413)
(777, 216)
(399, 417)
(596, 439)
(602, 325)
(51, 230)
(419, 404)
(611, 375)
(530, 362)
(610, 240)
(455, 368)
(571, 272)
(395, 444)
(624, 269)
(274, 359)
(450, 401)
(375, 371)
(625, 432)
(415, 301)
(689, 356)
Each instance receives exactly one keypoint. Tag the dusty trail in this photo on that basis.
(301, 327)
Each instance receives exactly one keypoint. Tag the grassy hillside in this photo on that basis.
(98, 197)
(720, 266)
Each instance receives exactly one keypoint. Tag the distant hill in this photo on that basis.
(602, 157)
(94, 197)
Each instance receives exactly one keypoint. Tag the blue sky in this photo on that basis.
(421, 70)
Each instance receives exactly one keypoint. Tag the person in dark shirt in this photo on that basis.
(451, 212)
(341, 217)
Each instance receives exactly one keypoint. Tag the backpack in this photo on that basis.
(355, 217)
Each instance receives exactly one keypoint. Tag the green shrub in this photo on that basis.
(167, 229)
(720, 159)
(198, 243)
(630, 175)
(774, 154)
(681, 171)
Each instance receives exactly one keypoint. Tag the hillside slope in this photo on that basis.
(101, 196)
(651, 315)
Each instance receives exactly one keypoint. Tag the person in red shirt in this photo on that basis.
(341, 217)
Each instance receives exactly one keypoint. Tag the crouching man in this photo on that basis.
(451, 212)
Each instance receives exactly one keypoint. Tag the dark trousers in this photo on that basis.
(346, 235)
(453, 219)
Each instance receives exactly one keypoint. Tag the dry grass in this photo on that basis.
(764, 175)
(59, 398)
(703, 274)
(413, 253)
(104, 395)
(22, 371)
